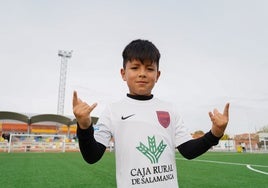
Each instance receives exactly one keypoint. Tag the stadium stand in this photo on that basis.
(43, 124)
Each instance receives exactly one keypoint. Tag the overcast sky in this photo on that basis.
(212, 52)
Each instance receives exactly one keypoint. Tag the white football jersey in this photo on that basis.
(146, 133)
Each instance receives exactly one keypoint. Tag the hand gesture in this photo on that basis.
(82, 111)
(219, 121)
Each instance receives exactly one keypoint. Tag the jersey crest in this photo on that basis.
(163, 118)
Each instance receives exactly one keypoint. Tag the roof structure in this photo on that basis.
(7, 115)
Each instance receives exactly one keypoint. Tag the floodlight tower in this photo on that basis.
(63, 71)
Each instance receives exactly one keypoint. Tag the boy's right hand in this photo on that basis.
(82, 111)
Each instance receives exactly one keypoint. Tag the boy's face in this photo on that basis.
(140, 77)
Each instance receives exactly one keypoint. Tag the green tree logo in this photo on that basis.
(152, 152)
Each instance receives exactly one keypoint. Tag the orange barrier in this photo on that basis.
(36, 128)
(14, 127)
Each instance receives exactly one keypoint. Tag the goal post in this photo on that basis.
(36, 143)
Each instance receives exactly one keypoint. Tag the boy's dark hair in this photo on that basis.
(141, 50)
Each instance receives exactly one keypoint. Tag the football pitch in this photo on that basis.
(67, 170)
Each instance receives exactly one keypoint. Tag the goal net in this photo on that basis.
(36, 143)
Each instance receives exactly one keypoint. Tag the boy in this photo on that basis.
(146, 130)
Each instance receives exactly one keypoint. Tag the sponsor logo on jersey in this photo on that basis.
(155, 173)
(163, 118)
(152, 152)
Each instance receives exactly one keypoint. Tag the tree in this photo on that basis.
(225, 137)
(264, 129)
(199, 132)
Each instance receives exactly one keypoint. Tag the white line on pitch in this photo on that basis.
(221, 162)
(255, 170)
(230, 163)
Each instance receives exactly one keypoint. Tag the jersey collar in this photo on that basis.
(140, 97)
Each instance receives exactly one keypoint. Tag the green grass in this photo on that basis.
(49, 170)
(223, 170)
(43, 170)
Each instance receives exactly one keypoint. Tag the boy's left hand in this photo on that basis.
(219, 121)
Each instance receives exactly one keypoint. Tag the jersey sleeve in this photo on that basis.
(182, 133)
(102, 129)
